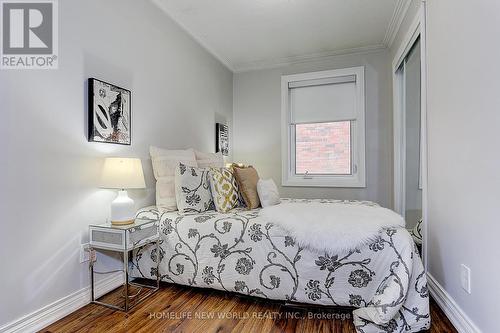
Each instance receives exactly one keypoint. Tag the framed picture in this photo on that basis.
(109, 113)
(221, 139)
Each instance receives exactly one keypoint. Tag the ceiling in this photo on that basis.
(254, 34)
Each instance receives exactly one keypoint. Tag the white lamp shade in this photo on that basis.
(122, 173)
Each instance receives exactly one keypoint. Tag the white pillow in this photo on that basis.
(164, 164)
(268, 192)
(209, 160)
(192, 189)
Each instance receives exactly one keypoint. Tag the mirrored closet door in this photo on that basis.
(408, 140)
(413, 175)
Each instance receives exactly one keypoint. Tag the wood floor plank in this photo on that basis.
(259, 319)
(287, 321)
(439, 321)
(179, 309)
(173, 314)
(210, 316)
(241, 310)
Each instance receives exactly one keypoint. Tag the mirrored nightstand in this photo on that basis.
(123, 239)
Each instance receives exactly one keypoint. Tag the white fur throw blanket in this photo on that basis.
(332, 227)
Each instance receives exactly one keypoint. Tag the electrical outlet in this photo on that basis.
(84, 253)
(465, 277)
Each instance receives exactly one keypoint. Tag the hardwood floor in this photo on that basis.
(183, 309)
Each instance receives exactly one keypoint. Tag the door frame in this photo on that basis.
(416, 30)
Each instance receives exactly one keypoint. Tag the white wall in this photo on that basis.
(49, 172)
(257, 125)
(464, 155)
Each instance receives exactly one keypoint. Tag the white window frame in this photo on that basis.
(358, 176)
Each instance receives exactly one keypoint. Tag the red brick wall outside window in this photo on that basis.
(323, 148)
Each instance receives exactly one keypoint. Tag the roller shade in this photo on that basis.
(323, 100)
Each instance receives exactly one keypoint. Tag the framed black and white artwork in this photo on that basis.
(109, 113)
(222, 139)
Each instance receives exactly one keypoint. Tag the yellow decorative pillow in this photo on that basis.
(224, 189)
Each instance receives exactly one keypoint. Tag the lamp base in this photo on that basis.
(122, 209)
(118, 223)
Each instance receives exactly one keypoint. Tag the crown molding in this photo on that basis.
(398, 15)
(395, 23)
(293, 60)
(197, 39)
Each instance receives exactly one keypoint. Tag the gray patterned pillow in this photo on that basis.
(192, 189)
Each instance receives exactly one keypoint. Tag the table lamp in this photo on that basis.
(122, 173)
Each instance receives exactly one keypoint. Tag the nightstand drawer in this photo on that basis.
(123, 238)
(101, 236)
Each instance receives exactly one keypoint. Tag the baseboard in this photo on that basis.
(458, 318)
(51, 313)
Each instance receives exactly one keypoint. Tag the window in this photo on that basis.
(323, 134)
(323, 148)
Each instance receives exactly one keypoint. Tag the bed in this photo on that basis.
(240, 252)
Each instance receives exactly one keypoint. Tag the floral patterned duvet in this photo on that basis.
(240, 252)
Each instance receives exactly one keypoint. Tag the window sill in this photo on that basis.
(338, 181)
